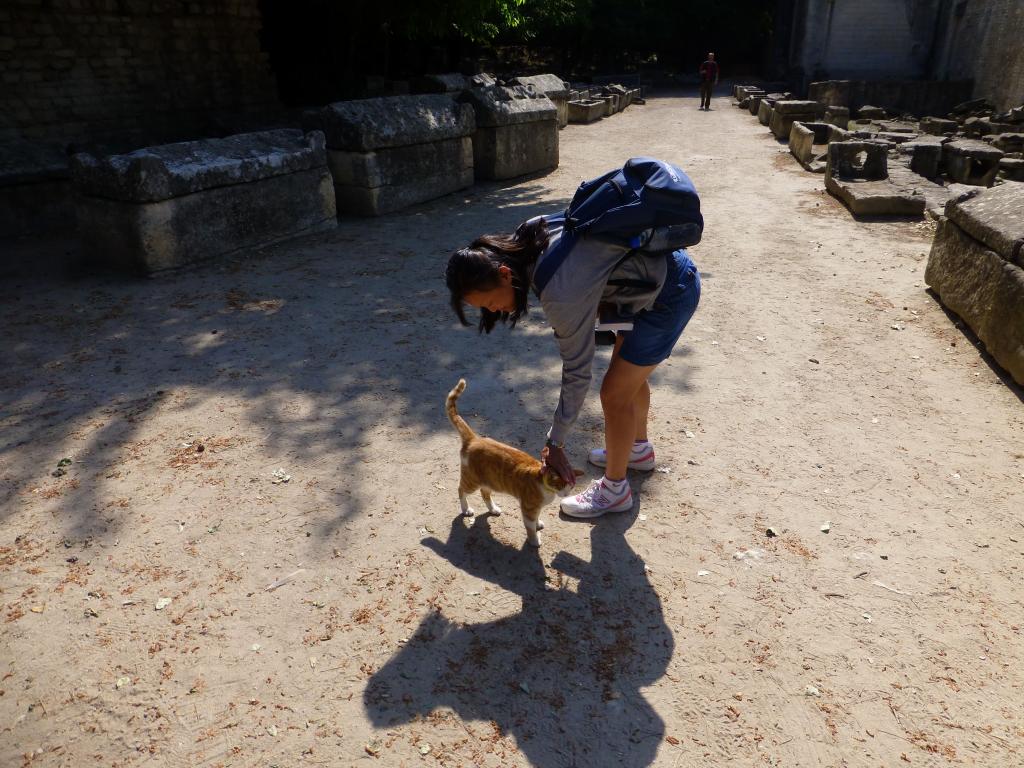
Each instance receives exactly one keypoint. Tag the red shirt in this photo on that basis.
(709, 71)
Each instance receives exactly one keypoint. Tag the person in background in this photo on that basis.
(708, 80)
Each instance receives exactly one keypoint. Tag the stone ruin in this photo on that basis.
(972, 146)
(857, 173)
(785, 112)
(168, 206)
(808, 143)
(516, 131)
(588, 103)
(395, 151)
(976, 267)
(965, 169)
(554, 88)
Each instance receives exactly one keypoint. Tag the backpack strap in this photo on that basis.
(547, 267)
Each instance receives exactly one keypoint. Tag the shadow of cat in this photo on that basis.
(563, 675)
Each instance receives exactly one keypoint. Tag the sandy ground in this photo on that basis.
(819, 381)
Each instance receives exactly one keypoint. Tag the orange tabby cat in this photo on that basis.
(492, 466)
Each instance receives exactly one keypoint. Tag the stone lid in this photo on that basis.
(390, 121)
(994, 216)
(1006, 142)
(973, 148)
(171, 170)
(791, 107)
(498, 105)
(550, 85)
(25, 162)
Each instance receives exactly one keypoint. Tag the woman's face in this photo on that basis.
(500, 298)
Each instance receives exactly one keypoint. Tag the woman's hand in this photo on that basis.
(555, 457)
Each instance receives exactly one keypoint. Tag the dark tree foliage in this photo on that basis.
(330, 49)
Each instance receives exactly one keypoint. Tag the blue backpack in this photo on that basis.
(646, 205)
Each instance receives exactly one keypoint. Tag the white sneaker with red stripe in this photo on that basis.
(641, 457)
(598, 500)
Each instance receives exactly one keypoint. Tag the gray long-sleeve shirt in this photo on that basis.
(570, 301)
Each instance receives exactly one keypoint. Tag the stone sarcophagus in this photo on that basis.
(554, 88)
(516, 132)
(784, 112)
(858, 174)
(586, 110)
(969, 161)
(808, 143)
(395, 151)
(166, 206)
(976, 266)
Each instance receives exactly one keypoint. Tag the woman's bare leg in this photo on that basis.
(625, 399)
(643, 397)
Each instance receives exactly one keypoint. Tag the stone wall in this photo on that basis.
(863, 39)
(946, 40)
(919, 97)
(122, 71)
(983, 40)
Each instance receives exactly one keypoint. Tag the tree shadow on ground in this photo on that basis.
(321, 340)
(564, 675)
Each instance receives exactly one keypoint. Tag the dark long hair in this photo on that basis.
(475, 268)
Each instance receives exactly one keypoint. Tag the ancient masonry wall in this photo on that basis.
(864, 39)
(117, 70)
(983, 41)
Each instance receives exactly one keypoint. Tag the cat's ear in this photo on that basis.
(578, 472)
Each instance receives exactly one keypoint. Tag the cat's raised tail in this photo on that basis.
(465, 432)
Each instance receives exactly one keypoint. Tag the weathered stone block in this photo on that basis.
(857, 174)
(995, 217)
(150, 237)
(391, 121)
(984, 289)
(171, 170)
(554, 88)
(785, 112)
(971, 162)
(389, 153)
(586, 110)
(795, 107)
(802, 140)
(764, 111)
(925, 155)
(507, 151)
(938, 126)
(868, 112)
(1007, 142)
(1011, 169)
(517, 132)
(858, 160)
(837, 116)
(392, 178)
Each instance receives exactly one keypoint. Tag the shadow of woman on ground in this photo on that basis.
(564, 675)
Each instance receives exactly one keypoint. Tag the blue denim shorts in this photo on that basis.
(656, 330)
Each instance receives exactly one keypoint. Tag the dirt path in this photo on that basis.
(818, 382)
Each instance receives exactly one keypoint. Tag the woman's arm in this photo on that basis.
(573, 324)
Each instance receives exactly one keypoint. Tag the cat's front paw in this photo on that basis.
(540, 525)
(494, 509)
(467, 512)
(533, 539)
